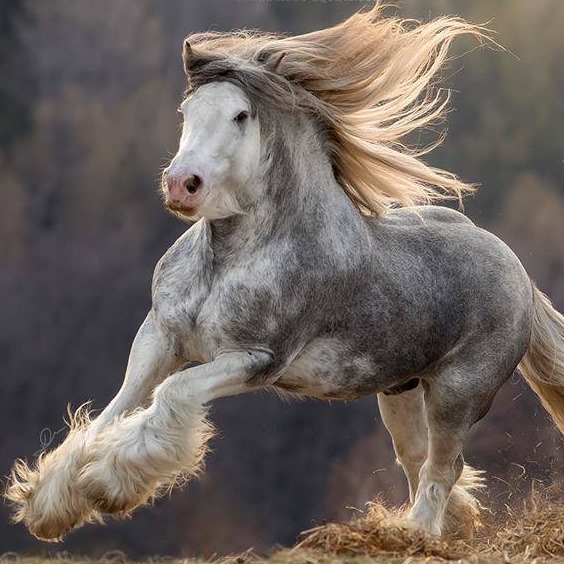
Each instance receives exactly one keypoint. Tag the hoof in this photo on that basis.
(110, 487)
(45, 499)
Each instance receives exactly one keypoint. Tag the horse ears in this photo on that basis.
(271, 62)
(187, 53)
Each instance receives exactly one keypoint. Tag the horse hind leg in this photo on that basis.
(462, 514)
(454, 401)
(405, 419)
(403, 415)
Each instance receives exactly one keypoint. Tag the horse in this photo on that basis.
(316, 263)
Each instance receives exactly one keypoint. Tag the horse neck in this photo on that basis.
(298, 193)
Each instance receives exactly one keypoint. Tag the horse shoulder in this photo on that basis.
(250, 301)
(182, 279)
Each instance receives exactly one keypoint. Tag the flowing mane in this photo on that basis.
(371, 79)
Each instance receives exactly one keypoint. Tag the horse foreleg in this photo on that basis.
(45, 495)
(137, 456)
(404, 417)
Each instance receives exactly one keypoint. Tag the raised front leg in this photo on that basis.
(45, 496)
(139, 455)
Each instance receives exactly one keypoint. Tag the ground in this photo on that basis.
(534, 534)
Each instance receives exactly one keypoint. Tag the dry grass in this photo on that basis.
(380, 533)
(533, 534)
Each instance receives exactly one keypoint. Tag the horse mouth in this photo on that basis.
(182, 210)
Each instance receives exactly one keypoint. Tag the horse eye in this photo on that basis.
(241, 117)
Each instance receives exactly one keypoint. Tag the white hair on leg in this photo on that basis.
(462, 514)
(140, 455)
(44, 496)
(439, 473)
(431, 499)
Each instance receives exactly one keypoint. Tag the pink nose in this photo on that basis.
(181, 186)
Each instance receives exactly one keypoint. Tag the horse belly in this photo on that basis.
(327, 369)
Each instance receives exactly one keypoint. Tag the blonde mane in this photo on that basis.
(371, 79)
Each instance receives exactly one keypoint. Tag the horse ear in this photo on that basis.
(187, 56)
(271, 62)
(277, 62)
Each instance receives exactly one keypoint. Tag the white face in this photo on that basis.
(218, 155)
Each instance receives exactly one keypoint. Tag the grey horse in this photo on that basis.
(304, 271)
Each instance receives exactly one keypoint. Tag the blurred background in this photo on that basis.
(88, 98)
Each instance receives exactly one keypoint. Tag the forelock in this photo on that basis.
(265, 89)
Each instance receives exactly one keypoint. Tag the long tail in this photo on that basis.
(543, 363)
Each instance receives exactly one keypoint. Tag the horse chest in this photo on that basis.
(199, 306)
(198, 310)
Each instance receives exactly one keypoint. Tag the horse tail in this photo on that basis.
(543, 363)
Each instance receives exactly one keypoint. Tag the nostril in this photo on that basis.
(193, 183)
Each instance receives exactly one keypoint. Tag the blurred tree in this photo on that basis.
(533, 225)
(509, 105)
(15, 74)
